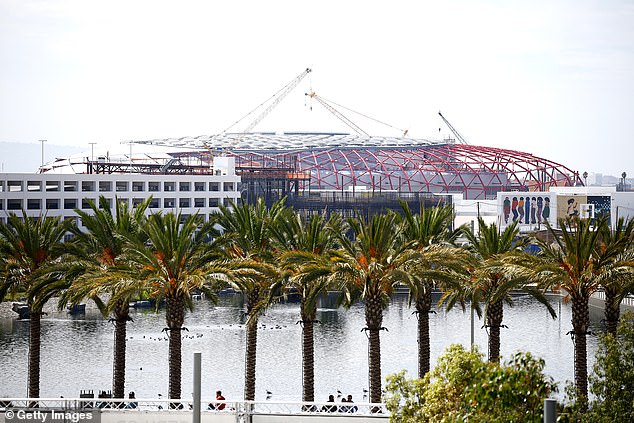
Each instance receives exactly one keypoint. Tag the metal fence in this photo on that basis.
(211, 407)
(627, 301)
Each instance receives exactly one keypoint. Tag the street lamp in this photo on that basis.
(42, 142)
(92, 151)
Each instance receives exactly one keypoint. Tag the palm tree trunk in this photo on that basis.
(251, 346)
(612, 310)
(308, 354)
(249, 373)
(175, 316)
(118, 373)
(580, 324)
(495, 315)
(423, 307)
(34, 352)
(373, 321)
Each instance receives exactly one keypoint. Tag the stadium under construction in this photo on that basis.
(337, 171)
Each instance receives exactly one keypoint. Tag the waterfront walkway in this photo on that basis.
(99, 410)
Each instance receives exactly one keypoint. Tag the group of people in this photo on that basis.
(327, 408)
(529, 210)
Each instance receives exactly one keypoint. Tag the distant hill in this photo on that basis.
(23, 157)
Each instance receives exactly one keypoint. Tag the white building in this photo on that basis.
(60, 192)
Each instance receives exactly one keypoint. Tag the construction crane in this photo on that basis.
(337, 113)
(459, 137)
(281, 94)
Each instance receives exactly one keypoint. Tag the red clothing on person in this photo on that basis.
(220, 406)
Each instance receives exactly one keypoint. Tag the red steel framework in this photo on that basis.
(477, 172)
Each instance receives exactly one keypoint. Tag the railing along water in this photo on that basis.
(110, 410)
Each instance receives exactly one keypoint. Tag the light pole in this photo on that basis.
(92, 151)
(130, 169)
(42, 142)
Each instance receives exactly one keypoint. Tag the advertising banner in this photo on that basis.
(530, 209)
(584, 206)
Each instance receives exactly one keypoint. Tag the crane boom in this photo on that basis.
(337, 114)
(459, 137)
(283, 93)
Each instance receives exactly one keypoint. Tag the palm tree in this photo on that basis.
(615, 247)
(428, 233)
(489, 282)
(305, 246)
(29, 245)
(367, 267)
(176, 260)
(100, 251)
(572, 263)
(246, 240)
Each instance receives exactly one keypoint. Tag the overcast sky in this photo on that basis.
(552, 78)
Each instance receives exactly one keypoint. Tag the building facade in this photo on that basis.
(59, 194)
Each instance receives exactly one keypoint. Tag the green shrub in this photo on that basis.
(612, 382)
(464, 387)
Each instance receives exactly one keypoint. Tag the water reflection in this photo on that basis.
(77, 352)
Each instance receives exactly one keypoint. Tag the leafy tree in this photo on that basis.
(613, 380)
(616, 248)
(100, 259)
(367, 267)
(29, 246)
(463, 387)
(246, 240)
(305, 246)
(572, 262)
(489, 280)
(428, 231)
(176, 260)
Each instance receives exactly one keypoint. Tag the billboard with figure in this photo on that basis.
(584, 206)
(568, 205)
(530, 209)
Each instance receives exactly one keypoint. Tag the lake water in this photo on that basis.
(77, 351)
